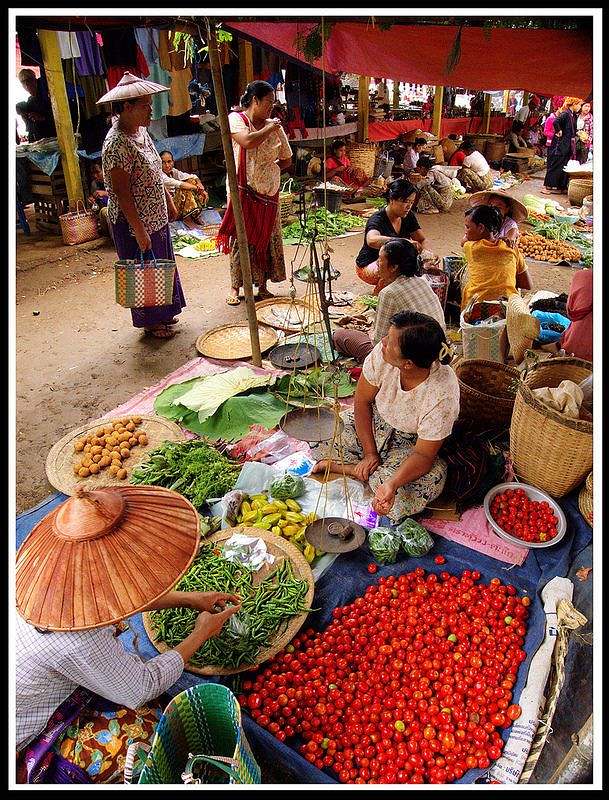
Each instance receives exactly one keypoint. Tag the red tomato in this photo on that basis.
(372, 568)
(440, 560)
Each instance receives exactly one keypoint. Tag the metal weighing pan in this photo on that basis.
(295, 356)
(311, 424)
(335, 535)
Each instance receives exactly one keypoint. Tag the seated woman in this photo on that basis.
(396, 220)
(458, 156)
(577, 339)
(189, 195)
(98, 195)
(494, 269)
(338, 167)
(475, 173)
(434, 187)
(512, 210)
(515, 140)
(412, 154)
(406, 403)
(399, 272)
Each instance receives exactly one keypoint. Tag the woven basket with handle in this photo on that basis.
(79, 226)
(549, 450)
(579, 188)
(488, 390)
(522, 327)
(362, 156)
(585, 500)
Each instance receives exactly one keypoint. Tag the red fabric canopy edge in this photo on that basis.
(544, 61)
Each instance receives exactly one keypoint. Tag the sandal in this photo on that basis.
(264, 295)
(231, 300)
(160, 332)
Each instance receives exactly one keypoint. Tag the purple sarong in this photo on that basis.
(127, 247)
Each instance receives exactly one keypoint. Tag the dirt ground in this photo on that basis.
(78, 356)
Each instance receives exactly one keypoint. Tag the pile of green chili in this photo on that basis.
(265, 609)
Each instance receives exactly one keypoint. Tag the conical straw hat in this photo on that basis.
(518, 211)
(104, 555)
(130, 87)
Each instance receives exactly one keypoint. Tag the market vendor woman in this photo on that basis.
(406, 403)
(338, 166)
(81, 698)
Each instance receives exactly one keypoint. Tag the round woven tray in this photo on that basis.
(62, 458)
(586, 500)
(487, 392)
(286, 314)
(280, 548)
(233, 341)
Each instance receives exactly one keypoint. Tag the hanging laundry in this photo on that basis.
(120, 49)
(173, 57)
(179, 96)
(68, 44)
(160, 101)
(142, 64)
(158, 128)
(148, 41)
(116, 73)
(90, 61)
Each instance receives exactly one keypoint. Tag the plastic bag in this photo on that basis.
(546, 319)
(384, 545)
(415, 540)
(586, 387)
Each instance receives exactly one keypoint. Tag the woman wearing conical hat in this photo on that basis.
(94, 561)
(139, 207)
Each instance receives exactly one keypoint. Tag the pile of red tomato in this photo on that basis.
(526, 519)
(410, 683)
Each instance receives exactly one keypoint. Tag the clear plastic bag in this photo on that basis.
(384, 545)
(415, 540)
(586, 387)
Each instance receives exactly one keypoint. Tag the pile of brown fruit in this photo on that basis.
(109, 447)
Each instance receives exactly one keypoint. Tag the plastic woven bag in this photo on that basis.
(199, 739)
(384, 545)
(145, 283)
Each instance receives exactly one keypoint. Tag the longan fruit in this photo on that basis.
(116, 456)
(136, 420)
(96, 458)
(142, 439)
(105, 452)
(99, 432)
(130, 427)
(76, 468)
(125, 454)
(94, 440)
(88, 439)
(105, 461)
(86, 462)
(79, 446)
(132, 441)
(113, 469)
(83, 472)
(108, 430)
(116, 426)
(87, 448)
(121, 474)
(94, 469)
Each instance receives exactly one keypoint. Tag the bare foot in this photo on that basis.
(335, 466)
(160, 332)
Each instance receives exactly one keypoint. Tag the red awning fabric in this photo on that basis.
(544, 61)
(386, 131)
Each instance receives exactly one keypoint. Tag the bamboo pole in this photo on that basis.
(506, 101)
(51, 57)
(436, 123)
(396, 94)
(363, 108)
(486, 114)
(227, 144)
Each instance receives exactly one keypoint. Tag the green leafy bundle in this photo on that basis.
(327, 223)
(316, 385)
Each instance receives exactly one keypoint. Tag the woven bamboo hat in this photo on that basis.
(130, 87)
(104, 555)
(518, 211)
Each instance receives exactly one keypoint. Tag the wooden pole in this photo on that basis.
(51, 57)
(486, 114)
(436, 123)
(363, 108)
(246, 64)
(227, 144)
(396, 94)
(506, 101)
(525, 98)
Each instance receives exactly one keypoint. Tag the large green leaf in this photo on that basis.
(235, 417)
(163, 402)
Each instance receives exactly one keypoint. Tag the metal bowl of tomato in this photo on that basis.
(513, 514)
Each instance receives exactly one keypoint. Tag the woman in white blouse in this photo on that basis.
(406, 403)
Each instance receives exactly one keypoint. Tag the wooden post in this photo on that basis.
(486, 114)
(227, 144)
(246, 64)
(363, 108)
(51, 57)
(436, 123)
(396, 94)
(506, 100)
(525, 98)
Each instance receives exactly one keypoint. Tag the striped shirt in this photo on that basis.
(404, 294)
(50, 666)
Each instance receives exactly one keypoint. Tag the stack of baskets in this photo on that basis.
(362, 156)
(549, 450)
(488, 390)
(579, 188)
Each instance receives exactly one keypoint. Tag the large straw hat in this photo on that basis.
(518, 211)
(130, 87)
(104, 555)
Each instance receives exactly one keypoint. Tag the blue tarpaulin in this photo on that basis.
(348, 577)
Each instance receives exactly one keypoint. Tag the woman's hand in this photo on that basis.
(418, 245)
(202, 193)
(207, 601)
(209, 625)
(364, 469)
(142, 238)
(384, 498)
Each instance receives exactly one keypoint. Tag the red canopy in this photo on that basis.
(544, 61)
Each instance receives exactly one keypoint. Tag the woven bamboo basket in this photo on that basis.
(579, 188)
(550, 451)
(285, 207)
(79, 226)
(585, 500)
(522, 327)
(495, 151)
(488, 391)
(449, 146)
(362, 156)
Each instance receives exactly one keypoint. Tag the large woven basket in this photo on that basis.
(579, 188)
(362, 156)
(488, 390)
(550, 451)
(79, 226)
(495, 151)
(586, 500)
(285, 207)
(522, 327)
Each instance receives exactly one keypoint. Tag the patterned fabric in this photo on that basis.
(406, 294)
(145, 283)
(429, 410)
(394, 448)
(50, 666)
(270, 267)
(263, 174)
(137, 156)
(492, 267)
(430, 197)
(369, 274)
(97, 740)
(471, 180)
(352, 343)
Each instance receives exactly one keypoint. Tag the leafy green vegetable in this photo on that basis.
(384, 545)
(416, 541)
(368, 300)
(317, 383)
(210, 391)
(194, 469)
(288, 487)
(326, 222)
